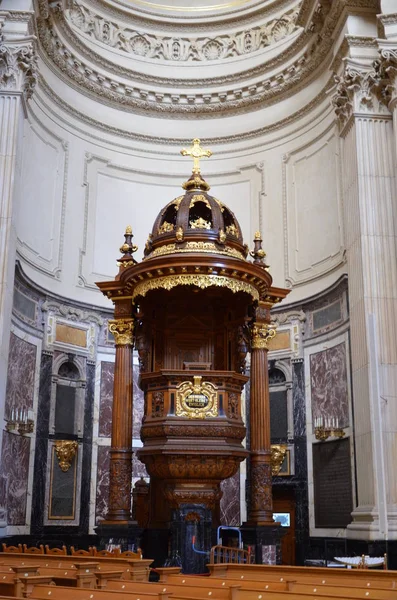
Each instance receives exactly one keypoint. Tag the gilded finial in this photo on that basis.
(196, 152)
(127, 249)
(258, 254)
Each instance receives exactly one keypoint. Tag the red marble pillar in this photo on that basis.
(261, 502)
(120, 475)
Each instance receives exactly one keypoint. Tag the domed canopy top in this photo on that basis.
(196, 221)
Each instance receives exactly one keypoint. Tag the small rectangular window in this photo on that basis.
(65, 408)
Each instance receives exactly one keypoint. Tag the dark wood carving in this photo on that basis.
(196, 302)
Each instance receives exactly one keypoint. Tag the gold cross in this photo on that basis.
(196, 152)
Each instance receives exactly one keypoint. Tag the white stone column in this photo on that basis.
(370, 215)
(17, 80)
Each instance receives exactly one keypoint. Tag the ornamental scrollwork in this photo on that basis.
(65, 451)
(123, 331)
(261, 486)
(120, 488)
(359, 90)
(262, 334)
(200, 281)
(180, 49)
(18, 67)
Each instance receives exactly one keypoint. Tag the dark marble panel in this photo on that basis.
(138, 397)
(298, 397)
(106, 399)
(15, 465)
(230, 501)
(269, 555)
(20, 375)
(3, 497)
(40, 458)
(102, 484)
(86, 474)
(328, 381)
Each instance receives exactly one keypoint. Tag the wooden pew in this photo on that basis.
(33, 549)
(12, 584)
(58, 551)
(177, 591)
(338, 591)
(44, 592)
(133, 569)
(70, 577)
(315, 575)
(199, 581)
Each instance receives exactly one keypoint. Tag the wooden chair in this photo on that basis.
(130, 554)
(74, 552)
(59, 551)
(12, 549)
(33, 549)
(113, 553)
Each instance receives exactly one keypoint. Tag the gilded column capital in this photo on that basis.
(123, 331)
(261, 336)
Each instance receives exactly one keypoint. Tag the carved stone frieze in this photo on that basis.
(207, 103)
(359, 90)
(18, 66)
(175, 48)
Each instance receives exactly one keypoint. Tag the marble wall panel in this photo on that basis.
(15, 466)
(230, 501)
(20, 375)
(138, 468)
(102, 486)
(138, 405)
(329, 385)
(106, 399)
(269, 555)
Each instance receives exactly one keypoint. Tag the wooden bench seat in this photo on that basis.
(338, 591)
(177, 591)
(20, 586)
(44, 592)
(316, 575)
(133, 569)
(73, 577)
(200, 581)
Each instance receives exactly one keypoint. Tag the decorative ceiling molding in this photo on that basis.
(176, 48)
(78, 44)
(177, 22)
(124, 95)
(155, 140)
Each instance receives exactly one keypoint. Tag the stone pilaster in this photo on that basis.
(17, 81)
(370, 218)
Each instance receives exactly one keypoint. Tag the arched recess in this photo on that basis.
(67, 397)
(281, 402)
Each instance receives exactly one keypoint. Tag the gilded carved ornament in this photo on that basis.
(196, 400)
(123, 331)
(196, 152)
(202, 247)
(201, 281)
(279, 452)
(65, 451)
(262, 334)
(200, 223)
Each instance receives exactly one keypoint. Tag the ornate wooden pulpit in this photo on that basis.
(193, 307)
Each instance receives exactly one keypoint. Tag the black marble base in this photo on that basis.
(263, 540)
(127, 536)
(191, 533)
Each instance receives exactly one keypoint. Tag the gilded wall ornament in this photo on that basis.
(165, 227)
(261, 336)
(197, 400)
(200, 281)
(65, 451)
(279, 452)
(123, 331)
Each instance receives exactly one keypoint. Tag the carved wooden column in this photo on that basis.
(261, 503)
(121, 452)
